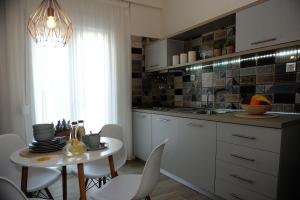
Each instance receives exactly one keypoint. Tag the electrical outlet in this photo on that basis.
(290, 67)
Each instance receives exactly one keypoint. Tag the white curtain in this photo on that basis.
(15, 96)
(88, 79)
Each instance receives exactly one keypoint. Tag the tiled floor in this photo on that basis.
(166, 188)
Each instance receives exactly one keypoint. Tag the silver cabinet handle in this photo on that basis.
(163, 120)
(242, 157)
(236, 196)
(244, 136)
(263, 41)
(241, 178)
(195, 125)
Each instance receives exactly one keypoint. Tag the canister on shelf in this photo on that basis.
(191, 56)
(175, 60)
(183, 58)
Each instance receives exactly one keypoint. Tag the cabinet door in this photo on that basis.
(155, 54)
(196, 152)
(272, 22)
(166, 127)
(142, 135)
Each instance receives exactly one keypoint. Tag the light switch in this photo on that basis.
(290, 67)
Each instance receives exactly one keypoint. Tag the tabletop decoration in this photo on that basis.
(63, 129)
(74, 146)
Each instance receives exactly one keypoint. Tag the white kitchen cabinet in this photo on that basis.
(166, 127)
(269, 23)
(196, 152)
(159, 54)
(141, 135)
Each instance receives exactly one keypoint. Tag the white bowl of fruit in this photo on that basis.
(257, 105)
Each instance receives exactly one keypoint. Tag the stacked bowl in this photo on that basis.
(43, 132)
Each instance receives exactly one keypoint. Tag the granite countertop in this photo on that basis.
(282, 121)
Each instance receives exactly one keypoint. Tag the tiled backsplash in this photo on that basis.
(221, 84)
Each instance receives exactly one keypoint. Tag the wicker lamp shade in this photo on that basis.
(49, 26)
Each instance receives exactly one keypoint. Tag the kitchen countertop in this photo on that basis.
(282, 121)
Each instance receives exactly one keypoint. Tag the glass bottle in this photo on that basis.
(80, 129)
(74, 147)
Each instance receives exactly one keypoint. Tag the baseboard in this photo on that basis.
(182, 181)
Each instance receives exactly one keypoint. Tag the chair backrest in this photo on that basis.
(9, 143)
(151, 172)
(116, 131)
(9, 190)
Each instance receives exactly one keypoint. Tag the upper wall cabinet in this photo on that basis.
(159, 53)
(272, 22)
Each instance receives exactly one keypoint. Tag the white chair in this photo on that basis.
(38, 178)
(134, 186)
(10, 191)
(100, 169)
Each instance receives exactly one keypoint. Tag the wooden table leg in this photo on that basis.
(24, 180)
(81, 181)
(64, 182)
(113, 172)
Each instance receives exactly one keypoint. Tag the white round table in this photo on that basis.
(27, 159)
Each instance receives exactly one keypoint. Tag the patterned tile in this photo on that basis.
(284, 98)
(266, 69)
(249, 71)
(264, 78)
(260, 89)
(248, 80)
(284, 88)
(289, 108)
(207, 79)
(232, 98)
(178, 84)
(223, 86)
(285, 78)
(136, 56)
(297, 98)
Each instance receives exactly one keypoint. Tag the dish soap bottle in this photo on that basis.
(74, 147)
(80, 130)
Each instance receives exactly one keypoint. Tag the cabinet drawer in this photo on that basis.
(232, 192)
(263, 161)
(255, 137)
(246, 178)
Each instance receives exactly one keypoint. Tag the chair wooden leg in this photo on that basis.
(104, 180)
(148, 197)
(64, 182)
(113, 172)
(86, 182)
(48, 193)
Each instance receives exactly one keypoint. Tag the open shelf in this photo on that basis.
(227, 56)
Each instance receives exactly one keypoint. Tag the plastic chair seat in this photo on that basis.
(122, 187)
(41, 178)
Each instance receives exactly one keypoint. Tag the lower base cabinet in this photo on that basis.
(196, 152)
(141, 127)
(166, 127)
(232, 192)
(235, 162)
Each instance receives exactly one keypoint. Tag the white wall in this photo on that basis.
(146, 21)
(181, 15)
